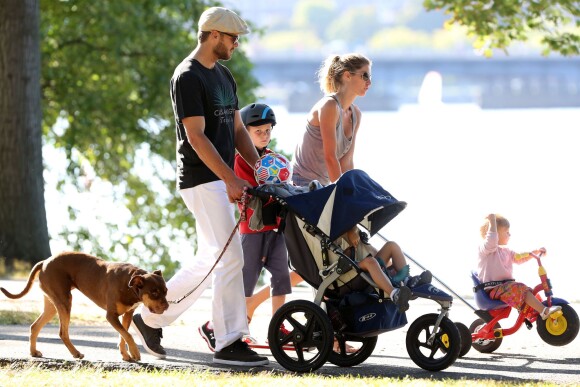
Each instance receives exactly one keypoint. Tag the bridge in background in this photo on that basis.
(489, 83)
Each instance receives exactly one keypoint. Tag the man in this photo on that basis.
(209, 130)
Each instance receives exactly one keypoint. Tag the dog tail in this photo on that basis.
(31, 278)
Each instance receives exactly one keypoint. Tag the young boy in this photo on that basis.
(265, 248)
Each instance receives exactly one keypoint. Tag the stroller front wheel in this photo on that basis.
(300, 336)
(442, 351)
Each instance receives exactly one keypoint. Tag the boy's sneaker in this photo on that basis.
(249, 340)
(401, 298)
(239, 354)
(424, 278)
(208, 335)
(548, 311)
(150, 337)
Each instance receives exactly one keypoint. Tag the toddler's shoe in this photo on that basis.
(424, 278)
(400, 297)
(548, 311)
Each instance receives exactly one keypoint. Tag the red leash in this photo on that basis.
(244, 202)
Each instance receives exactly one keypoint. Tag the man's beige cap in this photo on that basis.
(223, 20)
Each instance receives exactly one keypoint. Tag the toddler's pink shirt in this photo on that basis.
(495, 262)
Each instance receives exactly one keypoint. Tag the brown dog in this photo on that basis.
(116, 287)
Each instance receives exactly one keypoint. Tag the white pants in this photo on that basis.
(215, 220)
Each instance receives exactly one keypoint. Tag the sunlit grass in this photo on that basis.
(84, 376)
(21, 317)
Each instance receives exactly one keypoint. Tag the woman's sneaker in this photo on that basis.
(548, 311)
(208, 335)
(238, 353)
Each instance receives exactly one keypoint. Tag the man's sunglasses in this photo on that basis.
(235, 38)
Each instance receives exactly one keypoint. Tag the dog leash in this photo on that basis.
(244, 202)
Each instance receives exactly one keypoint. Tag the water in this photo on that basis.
(453, 165)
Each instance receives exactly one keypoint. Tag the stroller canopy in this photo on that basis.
(354, 198)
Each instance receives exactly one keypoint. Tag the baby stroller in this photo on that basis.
(355, 310)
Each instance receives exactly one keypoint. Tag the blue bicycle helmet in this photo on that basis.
(257, 114)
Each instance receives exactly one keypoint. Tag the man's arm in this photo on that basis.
(194, 128)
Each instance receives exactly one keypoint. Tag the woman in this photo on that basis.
(333, 122)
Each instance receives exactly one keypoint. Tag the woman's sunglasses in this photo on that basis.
(365, 76)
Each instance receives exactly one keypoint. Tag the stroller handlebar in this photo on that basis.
(256, 192)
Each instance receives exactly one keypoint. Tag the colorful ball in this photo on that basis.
(273, 168)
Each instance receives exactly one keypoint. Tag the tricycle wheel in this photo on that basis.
(561, 330)
(364, 348)
(465, 335)
(309, 334)
(438, 353)
(484, 346)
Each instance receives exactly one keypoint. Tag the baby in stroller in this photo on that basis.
(326, 248)
(386, 266)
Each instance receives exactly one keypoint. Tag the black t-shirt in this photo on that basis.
(199, 91)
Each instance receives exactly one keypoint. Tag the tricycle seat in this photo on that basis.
(482, 299)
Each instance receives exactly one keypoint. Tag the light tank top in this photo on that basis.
(308, 161)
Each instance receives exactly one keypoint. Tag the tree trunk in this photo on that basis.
(23, 227)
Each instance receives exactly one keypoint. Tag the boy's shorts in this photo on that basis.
(271, 244)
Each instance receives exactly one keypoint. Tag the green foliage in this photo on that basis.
(497, 24)
(106, 67)
(296, 39)
(313, 15)
(399, 38)
(348, 26)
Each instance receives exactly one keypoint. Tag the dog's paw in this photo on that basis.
(128, 358)
(35, 353)
(134, 351)
(135, 356)
(78, 355)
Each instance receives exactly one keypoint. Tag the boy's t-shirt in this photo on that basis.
(211, 93)
(245, 171)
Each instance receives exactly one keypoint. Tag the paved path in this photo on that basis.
(521, 357)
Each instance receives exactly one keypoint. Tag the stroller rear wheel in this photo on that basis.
(364, 347)
(306, 327)
(465, 334)
(442, 351)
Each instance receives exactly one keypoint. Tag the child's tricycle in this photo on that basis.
(560, 328)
